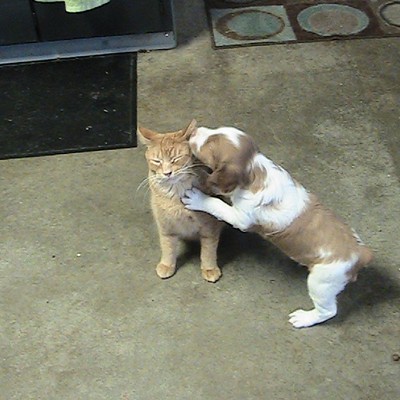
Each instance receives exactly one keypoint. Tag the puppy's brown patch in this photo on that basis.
(316, 236)
(228, 162)
(257, 178)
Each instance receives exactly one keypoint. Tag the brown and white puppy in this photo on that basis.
(267, 200)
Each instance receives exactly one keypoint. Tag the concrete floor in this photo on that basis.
(83, 314)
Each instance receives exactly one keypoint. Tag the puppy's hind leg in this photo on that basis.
(324, 282)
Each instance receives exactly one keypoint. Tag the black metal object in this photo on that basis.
(34, 31)
(17, 24)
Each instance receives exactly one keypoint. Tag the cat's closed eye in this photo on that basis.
(177, 158)
(155, 161)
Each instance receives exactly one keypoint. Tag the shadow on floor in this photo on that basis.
(372, 288)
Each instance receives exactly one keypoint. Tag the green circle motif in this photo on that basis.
(250, 25)
(390, 13)
(356, 19)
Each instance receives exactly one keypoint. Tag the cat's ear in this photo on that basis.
(146, 136)
(190, 129)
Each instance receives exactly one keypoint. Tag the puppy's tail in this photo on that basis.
(364, 258)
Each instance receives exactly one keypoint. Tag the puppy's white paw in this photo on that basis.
(304, 319)
(194, 199)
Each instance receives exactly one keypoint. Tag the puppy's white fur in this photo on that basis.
(274, 205)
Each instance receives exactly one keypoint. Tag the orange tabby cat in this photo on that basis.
(172, 171)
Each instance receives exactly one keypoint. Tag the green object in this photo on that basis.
(74, 6)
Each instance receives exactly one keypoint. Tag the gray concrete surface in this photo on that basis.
(83, 314)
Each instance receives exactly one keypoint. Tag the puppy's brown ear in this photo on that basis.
(225, 179)
(146, 136)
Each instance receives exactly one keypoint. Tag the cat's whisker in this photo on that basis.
(198, 164)
(146, 183)
(186, 173)
(142, 184)
(190, 170)
(190, 167)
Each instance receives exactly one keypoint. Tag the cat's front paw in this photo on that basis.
(165, 271)
(211, 275)
(194, 199)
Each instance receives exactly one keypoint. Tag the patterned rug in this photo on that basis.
(261, 22)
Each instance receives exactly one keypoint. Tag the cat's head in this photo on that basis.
(168, 155)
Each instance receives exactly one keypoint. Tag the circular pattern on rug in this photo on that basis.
(249, 25)
(333, 20)
(390, 13)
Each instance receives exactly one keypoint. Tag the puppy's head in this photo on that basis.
(227, 152)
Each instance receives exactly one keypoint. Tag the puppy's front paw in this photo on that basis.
(194, 199)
